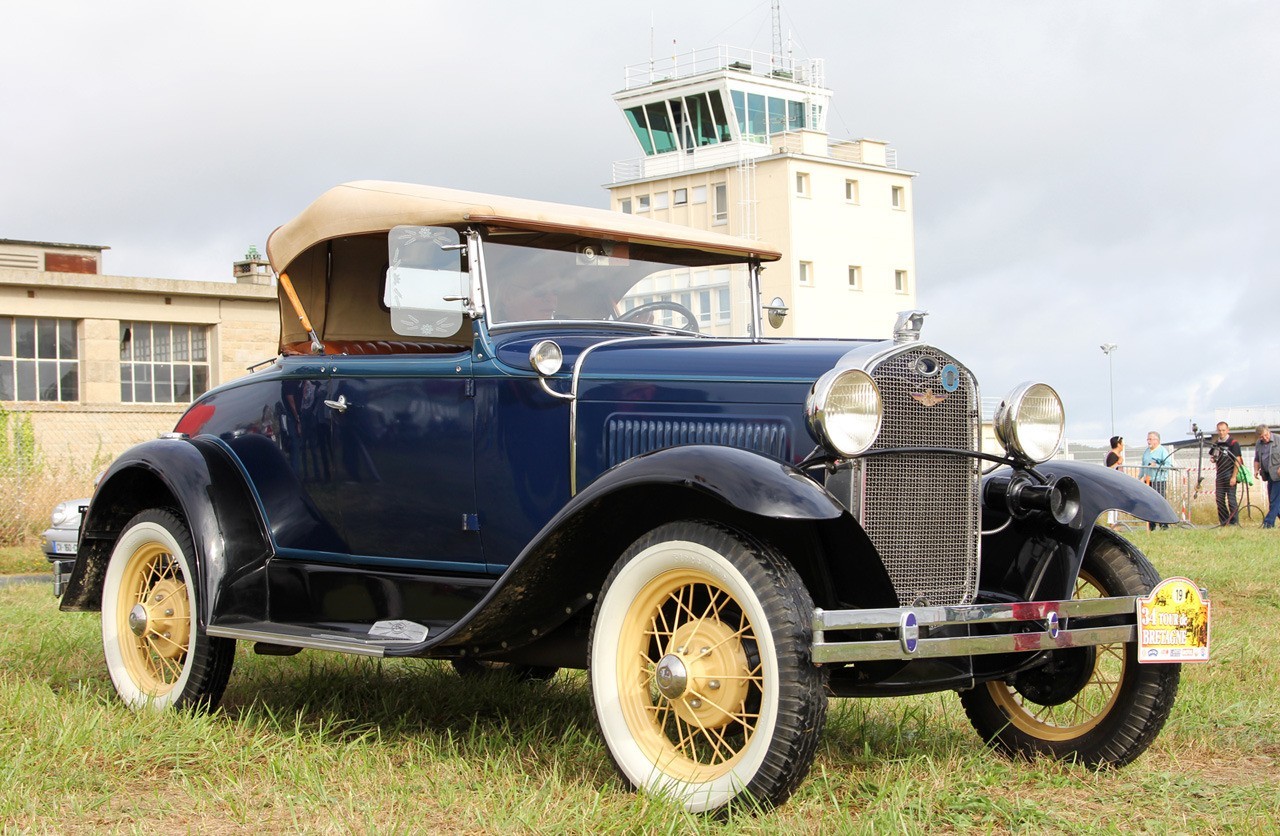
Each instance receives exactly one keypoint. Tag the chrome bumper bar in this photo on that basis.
(1031, 625)
(61, 567)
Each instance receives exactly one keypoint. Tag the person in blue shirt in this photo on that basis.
(1266, 463)
(1155, 468)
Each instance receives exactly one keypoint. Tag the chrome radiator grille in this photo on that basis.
(921, 510)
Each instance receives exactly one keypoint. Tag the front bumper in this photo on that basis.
(972, 630)
(59, 547)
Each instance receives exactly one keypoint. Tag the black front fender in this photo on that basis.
(1106, 489)
(1035, 558)
(745, 480)
(560, 570)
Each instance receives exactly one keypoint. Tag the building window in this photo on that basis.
(720, 209)
(625, 205)
(699, 194)
(163, 363)
(722, 305)
(806, 272)
(660, 200)
(681, 197)
(899, 199)
(851, 191)
(39, 359)
(900, 281)
(642, 203)
(855, 277)
(802, 184)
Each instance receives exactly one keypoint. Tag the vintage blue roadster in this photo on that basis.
(505, 432)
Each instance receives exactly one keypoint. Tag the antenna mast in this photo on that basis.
(777, 34)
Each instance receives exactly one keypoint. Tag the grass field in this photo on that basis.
(324, 743)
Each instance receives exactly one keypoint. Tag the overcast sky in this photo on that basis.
(1089, 172)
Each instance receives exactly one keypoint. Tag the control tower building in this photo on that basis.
(736, 141)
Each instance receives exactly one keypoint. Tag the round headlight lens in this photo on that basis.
(61, 514)
(844, 410)
(546, 357)
(1030, 422)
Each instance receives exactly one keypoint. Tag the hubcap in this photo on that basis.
(671, 676)
(1073, 698)
(138, 619)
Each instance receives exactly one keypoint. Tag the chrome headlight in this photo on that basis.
(64, 512)
(844, 410)
(1030, 422)
(546, 357)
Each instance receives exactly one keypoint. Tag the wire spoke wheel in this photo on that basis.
(692, 684)
(154, 618)
(1083, 710)
(699, 668)
(1097, 705)
(156, 652)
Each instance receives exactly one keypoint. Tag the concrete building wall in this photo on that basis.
(821, 228)
(242, 323)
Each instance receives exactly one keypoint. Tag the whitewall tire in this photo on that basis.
(700, 671)
(156, 652)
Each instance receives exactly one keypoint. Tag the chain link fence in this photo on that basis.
(53, 452)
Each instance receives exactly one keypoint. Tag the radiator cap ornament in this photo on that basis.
(907, 328)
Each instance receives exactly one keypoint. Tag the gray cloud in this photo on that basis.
(1089, 171)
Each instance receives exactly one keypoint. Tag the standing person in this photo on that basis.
(1155, 469)
(1115, 461)
(1266, 463)
(1226, 455)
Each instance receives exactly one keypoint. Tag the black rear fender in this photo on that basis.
(197, 480)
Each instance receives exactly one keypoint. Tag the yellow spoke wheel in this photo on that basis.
(699, 668)
(153, 618)
(156, 653)
(1082, 711)
(1096, 705)
(690, 681)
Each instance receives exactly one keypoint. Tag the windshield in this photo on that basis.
(535, 278)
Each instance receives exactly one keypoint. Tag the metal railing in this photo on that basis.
(727, 153)
(711, 59)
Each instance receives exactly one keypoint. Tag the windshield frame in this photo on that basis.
(565, 254)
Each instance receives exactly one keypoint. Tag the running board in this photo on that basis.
(380, 636)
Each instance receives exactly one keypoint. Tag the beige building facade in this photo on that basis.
(97, 363)
(735, 141)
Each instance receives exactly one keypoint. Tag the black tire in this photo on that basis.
(156, 652)
(1098, 706)
(479, 669)
(732, 617)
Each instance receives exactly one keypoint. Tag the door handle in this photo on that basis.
(340, 404)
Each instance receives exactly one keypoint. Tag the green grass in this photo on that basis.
(326, 743)
(22, 560)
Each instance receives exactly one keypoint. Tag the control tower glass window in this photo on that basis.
(759, 117)
(719, 115)
(664, 138)
(635, 118)
(688, 122)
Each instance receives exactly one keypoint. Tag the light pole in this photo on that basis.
(1107, 348)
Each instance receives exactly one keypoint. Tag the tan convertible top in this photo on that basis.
(369, 206)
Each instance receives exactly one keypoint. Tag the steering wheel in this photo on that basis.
(663, 305)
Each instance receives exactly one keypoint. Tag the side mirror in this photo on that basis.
(777, 310)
